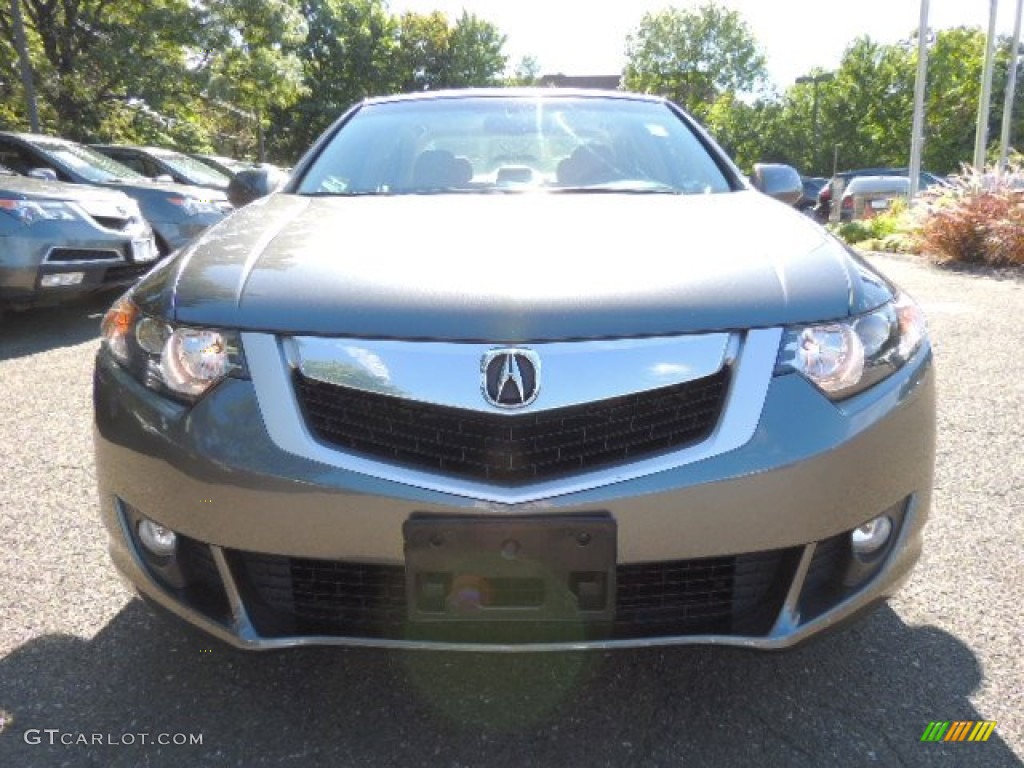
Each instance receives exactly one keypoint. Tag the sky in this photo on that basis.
(587, 37)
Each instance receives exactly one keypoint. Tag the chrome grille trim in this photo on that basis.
(448, 374)
(271, 370)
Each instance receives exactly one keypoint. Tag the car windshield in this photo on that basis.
(97, 168)
(218, 162)
(193, 170)
(514, 143)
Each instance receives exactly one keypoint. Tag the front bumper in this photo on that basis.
(811, 473)
(104, 260)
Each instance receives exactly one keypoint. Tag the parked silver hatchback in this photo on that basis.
(516, 370)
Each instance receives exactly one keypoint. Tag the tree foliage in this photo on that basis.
(247, 56)
(433, 53)
(199, 74)
(347, 54)
(694, 57)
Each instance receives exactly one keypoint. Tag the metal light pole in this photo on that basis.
(814, 80)
(27, 80)
(981, 132)
(917, 127)
(1011, 87)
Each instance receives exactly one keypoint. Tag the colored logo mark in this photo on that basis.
(958, 730)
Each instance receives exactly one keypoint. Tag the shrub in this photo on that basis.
(853, 232)
(978, 220)
(889, 231)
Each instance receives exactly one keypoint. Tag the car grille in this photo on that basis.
(738, 594)
(65, 255)
(513, 449)
(710, 595)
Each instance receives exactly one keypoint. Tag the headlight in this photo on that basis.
(845, 357)
(193, 206)
(31, 211)
(183, 362)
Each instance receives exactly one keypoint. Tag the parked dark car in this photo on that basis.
(166, 164)
(823, 209)
(812, 185)
(177, 213)
(498, 369)
(60, 240)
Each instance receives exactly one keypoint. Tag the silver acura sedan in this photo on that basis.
(62, 240)
(516, 370)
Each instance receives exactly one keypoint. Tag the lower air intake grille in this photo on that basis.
(513, 449)
(65, 255)
(738, 594)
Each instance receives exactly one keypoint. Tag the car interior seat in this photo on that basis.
(440, 169)
(588, 164)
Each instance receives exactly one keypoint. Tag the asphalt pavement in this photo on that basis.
(89, 677)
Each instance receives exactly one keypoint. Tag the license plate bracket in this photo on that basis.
(472, 569)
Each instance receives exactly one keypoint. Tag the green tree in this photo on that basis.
(869, 108)
(248, 57)
(94, 56)
(476, 54)
(527, 72)
(757, 132)
(347, 55)
(954, 76)
(694, 57)
(434, 54)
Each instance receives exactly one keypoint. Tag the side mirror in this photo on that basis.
(166, 178)
(46, 174)
(254, 183)
(779, 181)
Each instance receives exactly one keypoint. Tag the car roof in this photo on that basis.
(536, 93)
(874, 171)
(137, 148)
(878, 183)
(31, 137)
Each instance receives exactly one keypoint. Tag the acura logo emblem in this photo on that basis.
(510, 378)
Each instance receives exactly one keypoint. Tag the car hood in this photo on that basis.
(513, 267)
(168, 187)
(26, 188)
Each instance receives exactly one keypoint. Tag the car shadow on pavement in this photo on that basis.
(40, 329)
(856, 697)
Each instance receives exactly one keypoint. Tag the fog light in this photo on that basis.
(157, 539)
(64, 278)
(872, 536)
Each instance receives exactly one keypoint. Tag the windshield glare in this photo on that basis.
(193, 170)
(88, 163)
(488, 144)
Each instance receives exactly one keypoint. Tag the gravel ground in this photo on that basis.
(78, 654)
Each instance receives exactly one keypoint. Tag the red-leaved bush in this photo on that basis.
(978, 220)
